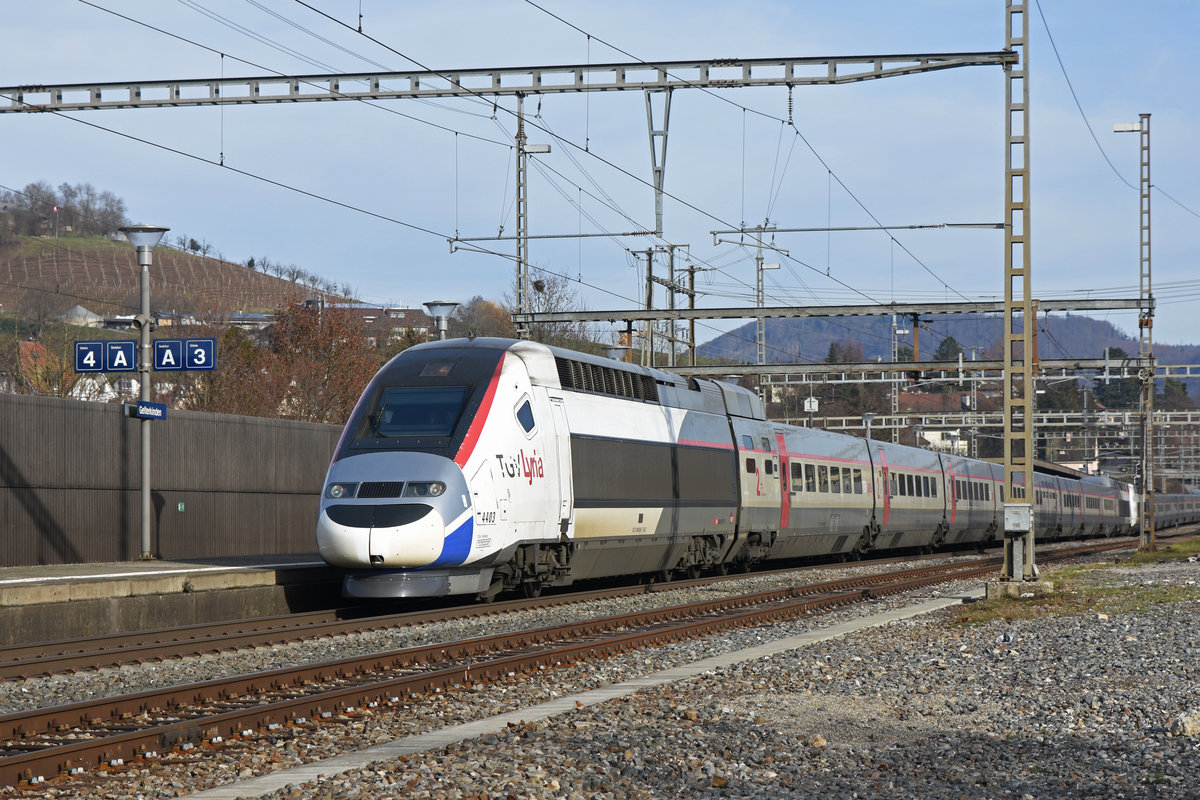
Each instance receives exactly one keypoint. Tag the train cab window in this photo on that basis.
(835, 480)
(525, 416)
(748, 442)
(823, 478)
(419, 410)
(858, 481)
(750, 470)
(810, 477)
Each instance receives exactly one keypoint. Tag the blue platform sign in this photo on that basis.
(148, 410)
(168, 354)
(200, 353)
(89, 356)
(120, 356)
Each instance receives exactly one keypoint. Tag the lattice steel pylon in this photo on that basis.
(1019, 322)
(1146, 343)
(522, 220)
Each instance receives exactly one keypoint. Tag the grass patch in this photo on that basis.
(1177, 550)
(1081, 590)
(34, 246)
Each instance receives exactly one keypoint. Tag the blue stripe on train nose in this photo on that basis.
(457, 545)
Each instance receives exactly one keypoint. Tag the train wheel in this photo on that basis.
(692, 572)
(532, 589)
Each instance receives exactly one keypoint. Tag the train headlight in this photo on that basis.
(424, 489)
(336, 491)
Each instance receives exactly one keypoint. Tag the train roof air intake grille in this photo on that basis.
(582, 377)
(381, 489)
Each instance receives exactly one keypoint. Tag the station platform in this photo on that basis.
(57, 601)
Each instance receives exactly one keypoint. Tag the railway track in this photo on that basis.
(111, 732)
(67, 656)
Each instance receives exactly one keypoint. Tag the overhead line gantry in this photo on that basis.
(654, 79)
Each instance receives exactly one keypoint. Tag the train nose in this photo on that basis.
(383, 535)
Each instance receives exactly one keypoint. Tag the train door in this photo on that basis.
(758, 477)
(562, 446)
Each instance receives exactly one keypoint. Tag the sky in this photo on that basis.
(368, 195)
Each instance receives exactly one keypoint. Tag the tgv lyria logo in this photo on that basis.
(529, 467)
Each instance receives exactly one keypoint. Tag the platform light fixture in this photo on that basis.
(144, 239)
(867, 419)
(440, 310)
(617, 352)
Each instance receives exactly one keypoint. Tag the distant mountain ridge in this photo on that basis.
(807, 339)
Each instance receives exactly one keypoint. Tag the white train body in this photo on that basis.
(474, 466)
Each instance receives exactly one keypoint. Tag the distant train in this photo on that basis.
(475, 466)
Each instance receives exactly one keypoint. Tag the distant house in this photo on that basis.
(82, 317)
(391, 322)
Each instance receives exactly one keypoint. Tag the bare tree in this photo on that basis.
(550, 292)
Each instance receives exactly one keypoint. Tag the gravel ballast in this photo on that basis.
(1071, 706)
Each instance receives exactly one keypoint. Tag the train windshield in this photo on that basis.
(418, 411)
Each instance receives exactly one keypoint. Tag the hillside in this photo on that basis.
(45, 274)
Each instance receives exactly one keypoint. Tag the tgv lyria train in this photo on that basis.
(472, 466)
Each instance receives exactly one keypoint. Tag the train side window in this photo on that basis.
(750, 466)
(823, 478)
(766, 444)
(810, 477)
(958, 490)
(797, 473)
(858, 481)
(933, 484)
(835, 480)
(769, 467)
(892, 484)
(987, 492)
(847, 483)
(903, 485)
(525, 416)
(924, 486)
(911, 491)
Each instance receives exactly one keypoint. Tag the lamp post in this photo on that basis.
(144, 239)
(440, 310)
(866, 418)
